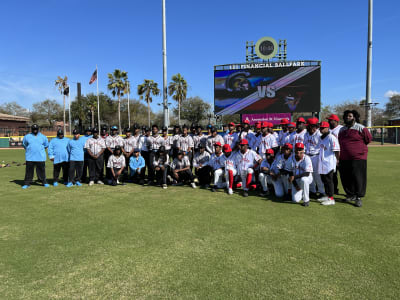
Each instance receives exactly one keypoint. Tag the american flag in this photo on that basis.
(94, 77)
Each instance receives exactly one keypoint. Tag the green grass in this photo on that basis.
(145, 242)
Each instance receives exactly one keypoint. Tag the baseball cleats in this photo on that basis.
(263, 193)
(306, 204)
(91, 183)
(230, 191)
(100, 182)
(328, 202)
(323, 199)
(164, 186)
(358, 202)
(193, 185)
(245, 194)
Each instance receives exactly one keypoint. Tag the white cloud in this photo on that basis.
(391, 93)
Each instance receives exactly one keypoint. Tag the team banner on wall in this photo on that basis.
(267, 88)
(273, 118)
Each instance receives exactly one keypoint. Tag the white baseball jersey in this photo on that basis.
(112, 141)
(154, 142)
(167, 142)
(211, 140)
(116, 161)
(298, 137)
(129, 144)
(180, 164)
(246, 160)
(95, 145)
(267, 142)
(216, 161)
(335, 131)
(327, 159)
(185, 142)
(175, 140)
(230, 139)
(289, 138)
(199, 140)
(201, 159)
(136, 138)
(281, 137)
(311, 143)
(230, 162)
(301, 166)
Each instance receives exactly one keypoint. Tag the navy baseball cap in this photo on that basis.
(136, 150)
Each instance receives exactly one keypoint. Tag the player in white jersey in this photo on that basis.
(230, 170)
(213, 139)
(311, 144)
(279, 173)
(300, 175)
(268, 141)
(167, 139)
(230, 137)
(154, 142)
(181, 170)
(328, 160)
(334, 129)
(265, 169)
(143, 146)
(185, 143)
(283, 133)
(95, 147)
(116, 163)
(175, 140)
(199, 161)
(215, 167)
(161, 166)
(291, 131)
(199, 139)
(127, 149)
(112, 141)
(246, 161)
(298, 136)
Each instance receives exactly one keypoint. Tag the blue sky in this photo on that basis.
(45, 38)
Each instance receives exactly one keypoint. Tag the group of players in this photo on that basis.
(299, 160)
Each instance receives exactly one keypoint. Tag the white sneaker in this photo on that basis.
(230, 191)
(91, 183)
(117, 181)
(100, 182)
(193, 185)
(328, 202)
(323, 199)
(164, 186)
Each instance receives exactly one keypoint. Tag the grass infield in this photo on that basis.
(145, 242)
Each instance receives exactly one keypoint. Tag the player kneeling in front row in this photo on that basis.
(300, 175)
(246, 161)
(328, 158)
(161, 166)
(265, 172)
(279, 174)
(200, 161)
(137, 166)
(181, 170)
(116, 163)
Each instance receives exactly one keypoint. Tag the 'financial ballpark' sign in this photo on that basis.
(267, 65)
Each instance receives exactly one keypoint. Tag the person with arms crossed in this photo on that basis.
(58, 154)
(35, 145)
(95, 147)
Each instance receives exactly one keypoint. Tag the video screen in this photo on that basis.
(267, 90)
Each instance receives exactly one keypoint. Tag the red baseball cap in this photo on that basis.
(231, 124)
(299, 146)
(269, 151)
(271, 125)
(238, 125)
(244, 142)
(258, 125)
(246, 122)
(284, 121)
(217, 144)
(301, 119)
(226, 148)
(333, 117)
(312, 121)
(258, 122)
(289, 146)
(324, 125)
(264, 124)
(291, 124)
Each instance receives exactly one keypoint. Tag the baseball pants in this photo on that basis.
(57, 169)
(317, 183)
(161, 175)
(204, 175)
(218, 179)
(40, 171)
(246, 176)
(264, 179)
(281, 186)
(96, 168)
(229, 177)
(328, 183)
(303, 193)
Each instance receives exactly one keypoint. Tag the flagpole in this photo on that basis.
(129, 112)
(98, 100)
(69, 112)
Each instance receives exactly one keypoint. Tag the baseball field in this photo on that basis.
(135, 242)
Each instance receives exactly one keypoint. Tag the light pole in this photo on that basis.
(368, 107)
(164, 52)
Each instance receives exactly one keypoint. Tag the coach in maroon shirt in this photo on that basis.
(353, 139)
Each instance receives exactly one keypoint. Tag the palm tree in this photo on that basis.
(63, 87)
(117, 82)
(145, 90)
(178, 88)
